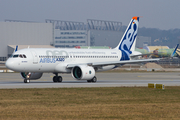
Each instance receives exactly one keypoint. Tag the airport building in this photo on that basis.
(68, 34)
(23, 33)
(104, 33)
(61, 34)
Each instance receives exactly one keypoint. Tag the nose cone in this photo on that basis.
(9, 64)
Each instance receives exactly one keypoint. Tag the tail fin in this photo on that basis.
(16, 48)
(172, 55)
(128, 41)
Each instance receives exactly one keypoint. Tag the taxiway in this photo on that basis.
(128, 79)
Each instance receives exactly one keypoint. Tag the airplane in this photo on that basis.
(80, 63)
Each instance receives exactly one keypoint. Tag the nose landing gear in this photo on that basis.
(27, 80)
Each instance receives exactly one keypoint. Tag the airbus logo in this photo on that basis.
(51, 60)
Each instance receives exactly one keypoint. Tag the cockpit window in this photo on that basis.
(24, 56)
(19, 56)
(15, 56)
(11, 56)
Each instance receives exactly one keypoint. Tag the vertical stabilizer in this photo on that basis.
(16, 48)
(172, 55)
(128, 41)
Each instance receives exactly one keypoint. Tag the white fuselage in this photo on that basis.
(56, 59)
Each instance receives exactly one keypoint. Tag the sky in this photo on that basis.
(161, 14)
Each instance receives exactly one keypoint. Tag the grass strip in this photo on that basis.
(90, 103)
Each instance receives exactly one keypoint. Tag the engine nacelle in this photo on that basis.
(31, 76)
(83, 72)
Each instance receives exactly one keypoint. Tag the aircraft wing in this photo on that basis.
(144, 54)
(140, 55)
(112, 63)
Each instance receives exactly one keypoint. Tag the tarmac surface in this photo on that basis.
(128, 79)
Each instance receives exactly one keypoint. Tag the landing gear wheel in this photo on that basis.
(94, 79)
(55, 79)
(26, 81)
(59, 79)
(88, 80)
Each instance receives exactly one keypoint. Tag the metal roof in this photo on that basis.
(30, 46)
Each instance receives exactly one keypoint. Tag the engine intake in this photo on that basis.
(83, 72)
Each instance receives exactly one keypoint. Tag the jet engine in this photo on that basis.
(83, 72)
(31, 76)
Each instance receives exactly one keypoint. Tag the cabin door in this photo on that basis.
(35, 57)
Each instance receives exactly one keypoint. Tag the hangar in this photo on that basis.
(23, 33)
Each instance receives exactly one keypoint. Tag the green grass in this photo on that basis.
(90, 103)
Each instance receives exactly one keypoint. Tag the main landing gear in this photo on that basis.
(93, 80)
(57, 78)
